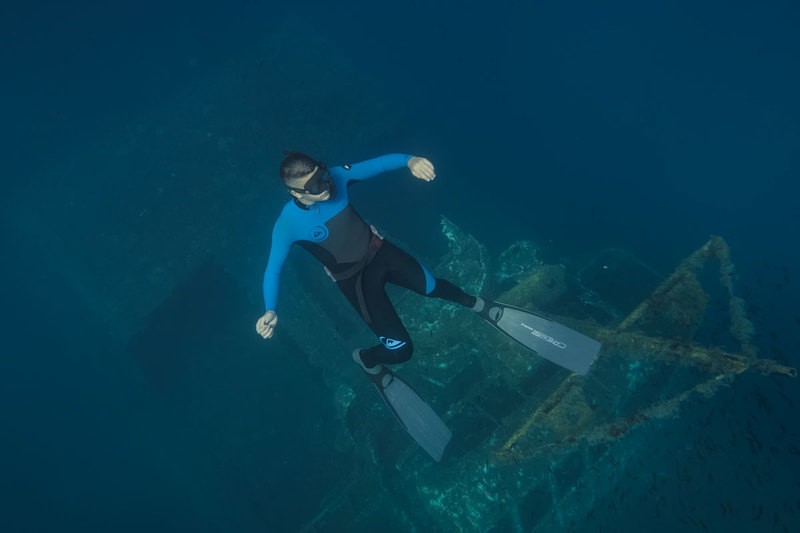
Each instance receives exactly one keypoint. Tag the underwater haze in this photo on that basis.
(140, 150)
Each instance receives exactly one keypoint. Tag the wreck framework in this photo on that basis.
(523, 428)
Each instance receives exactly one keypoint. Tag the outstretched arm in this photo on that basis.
(281, 243)
(419, 166)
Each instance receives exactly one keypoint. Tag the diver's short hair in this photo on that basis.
(296, 164)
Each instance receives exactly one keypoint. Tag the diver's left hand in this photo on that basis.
(422, 168)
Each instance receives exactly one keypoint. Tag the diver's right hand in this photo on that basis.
(266, 324)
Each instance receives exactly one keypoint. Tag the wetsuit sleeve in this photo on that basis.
(378, 165)
(281, 244)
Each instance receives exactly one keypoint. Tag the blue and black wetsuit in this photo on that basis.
(360, 261)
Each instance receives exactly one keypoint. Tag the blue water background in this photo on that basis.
(579, 125)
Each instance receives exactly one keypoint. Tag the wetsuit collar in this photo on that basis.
(301, 205)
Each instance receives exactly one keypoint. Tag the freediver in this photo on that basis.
(321, 219)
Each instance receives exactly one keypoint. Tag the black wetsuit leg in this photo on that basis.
(393, 265)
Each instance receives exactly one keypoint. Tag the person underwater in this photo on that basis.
(321, 219)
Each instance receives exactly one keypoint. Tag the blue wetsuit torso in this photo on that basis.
(332, 230)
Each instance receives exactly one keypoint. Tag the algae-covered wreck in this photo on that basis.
(527, 432)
